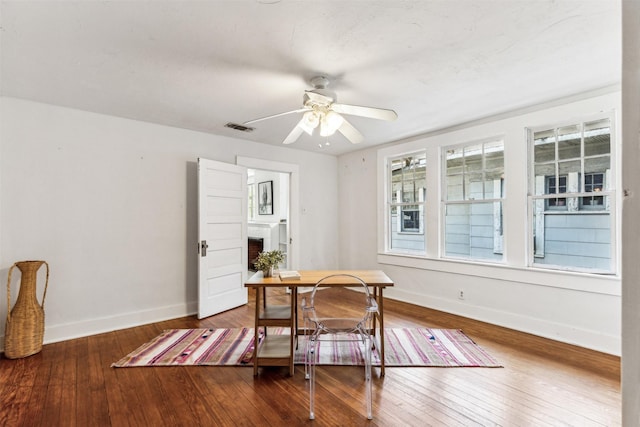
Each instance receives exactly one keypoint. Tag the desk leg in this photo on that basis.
(293, 331)
(377, 298)
(381, 309)
(294, 295)
(255, 333)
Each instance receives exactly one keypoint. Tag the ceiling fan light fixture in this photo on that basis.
(330, 123)
(309, 122)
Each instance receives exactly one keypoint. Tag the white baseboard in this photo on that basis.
(556, 331)
(67, 331)
(569, 334)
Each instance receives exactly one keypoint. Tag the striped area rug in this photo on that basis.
(234, 347)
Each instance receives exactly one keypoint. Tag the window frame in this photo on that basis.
(498, 203)
(402, 205)
(608, 193)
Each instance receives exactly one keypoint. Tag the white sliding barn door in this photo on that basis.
(222, 236)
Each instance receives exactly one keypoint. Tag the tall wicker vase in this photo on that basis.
(25, 321)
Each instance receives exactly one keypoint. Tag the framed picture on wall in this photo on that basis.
(265, 198)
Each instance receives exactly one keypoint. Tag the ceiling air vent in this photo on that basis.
(241, 128)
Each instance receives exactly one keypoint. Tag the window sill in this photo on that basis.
(578, 212)
(585, 282)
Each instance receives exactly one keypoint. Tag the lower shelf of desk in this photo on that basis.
(275, 312)
(275, 350)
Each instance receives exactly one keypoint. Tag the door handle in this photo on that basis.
(203, 248)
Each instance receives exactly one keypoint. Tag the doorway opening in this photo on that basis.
(287, 175)
(267, 214)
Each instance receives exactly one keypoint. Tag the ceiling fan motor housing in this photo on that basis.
(322, 97)
(320, 82)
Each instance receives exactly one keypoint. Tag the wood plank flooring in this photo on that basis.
(543, 383)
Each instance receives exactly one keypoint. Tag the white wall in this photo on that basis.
(111, 203)
(575, 308)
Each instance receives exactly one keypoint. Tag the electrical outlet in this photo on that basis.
(460, 294)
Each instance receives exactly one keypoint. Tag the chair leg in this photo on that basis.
(306, 351)
(312, 379)
(367, 376)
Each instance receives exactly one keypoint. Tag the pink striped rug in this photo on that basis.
(234, 347)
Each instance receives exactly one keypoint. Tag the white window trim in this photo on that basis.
(613, 177)
(444, 202)
(517, 229)
(386, 225)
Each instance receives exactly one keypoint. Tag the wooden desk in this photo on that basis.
(274, 351)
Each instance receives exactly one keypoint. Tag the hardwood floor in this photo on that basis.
(543, 383)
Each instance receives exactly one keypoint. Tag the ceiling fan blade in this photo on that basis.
(293, 135)
(370, 112)
(300, 110)
(351, 133)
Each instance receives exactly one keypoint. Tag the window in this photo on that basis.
(570, 183)
(406, 200)
(593, 183)
(411, 220)
(556, 186)
(474, 188)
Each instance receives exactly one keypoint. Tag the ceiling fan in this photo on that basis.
(322, 111)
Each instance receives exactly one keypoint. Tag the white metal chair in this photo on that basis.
(353, 324)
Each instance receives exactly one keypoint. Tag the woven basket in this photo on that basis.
(25, 322)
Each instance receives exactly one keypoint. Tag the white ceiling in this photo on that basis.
(200, 64)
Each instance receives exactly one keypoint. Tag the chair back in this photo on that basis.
(336, 307)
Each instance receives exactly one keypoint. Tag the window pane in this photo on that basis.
(565, 168)
(472, 176)
(569, 139)
(405, 241)
(540, 172)
(591, 203)
(494, 175)
(570, 240)
(559, 203)
(454, 187)
(597, 138)
(597, 164)
(473, 186)
(455, 161)
(396, 191)
(494, 159)
(474, 231)
(544, 146)
(408, 192)
(411, 219)
(397, 164)
(420, 182)
(473, 158)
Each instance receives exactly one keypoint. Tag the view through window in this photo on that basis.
(571, 187)
(474, 188)
(406, 203)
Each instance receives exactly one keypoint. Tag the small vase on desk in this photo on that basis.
(267, 272)
(24, 332)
